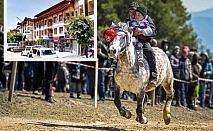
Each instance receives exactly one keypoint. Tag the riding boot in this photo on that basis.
(139, 50)
(140, 57)
(128, 38)
(152, 64)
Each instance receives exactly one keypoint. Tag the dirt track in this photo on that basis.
(29, 112)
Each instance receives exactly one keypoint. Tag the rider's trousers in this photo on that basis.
(148, 51)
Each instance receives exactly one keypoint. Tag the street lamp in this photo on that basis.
(22, 28)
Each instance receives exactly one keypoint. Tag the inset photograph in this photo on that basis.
(44, 30)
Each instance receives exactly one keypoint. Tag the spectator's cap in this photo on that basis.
(109, 32)
(141, 10)
(176, 47)
(163, 42)
(133, 6)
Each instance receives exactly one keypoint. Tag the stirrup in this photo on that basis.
(154, 75)
(140, 63)
(153, 82)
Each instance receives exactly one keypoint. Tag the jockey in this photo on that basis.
(143, 30)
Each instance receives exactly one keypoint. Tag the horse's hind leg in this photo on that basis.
(123, 112)
(168, 87)
(141, 99)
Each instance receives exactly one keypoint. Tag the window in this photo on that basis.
(45, 22)
(60, 18)
(60, 30)
(55, 30)
(55, 20)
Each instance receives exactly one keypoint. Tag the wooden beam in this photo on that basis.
(13, 80)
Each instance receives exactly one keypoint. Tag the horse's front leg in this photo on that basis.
(141, 99)
(169, 96)
(123, 112)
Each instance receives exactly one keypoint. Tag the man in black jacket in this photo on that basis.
(48, 71)
(2, 74)
(102, 55)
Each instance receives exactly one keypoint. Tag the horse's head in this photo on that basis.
(122, 44)
(118, 45)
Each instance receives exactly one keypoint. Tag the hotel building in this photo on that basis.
(51, 25)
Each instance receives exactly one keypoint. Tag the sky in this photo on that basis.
(197, 5)
(25, 8)
(29, 8)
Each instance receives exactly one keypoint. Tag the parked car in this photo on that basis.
(44, 53)
(11, 45)
(17, 49)
(31, 52)
(27, 51)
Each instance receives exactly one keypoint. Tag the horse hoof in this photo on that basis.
(128, 114)
(167, 120)
(145, 121)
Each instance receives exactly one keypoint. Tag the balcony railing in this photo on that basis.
(91, 13)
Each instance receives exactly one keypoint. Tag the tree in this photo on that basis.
(14, 37)
(81, 28)
(1, 12)
(170, 18)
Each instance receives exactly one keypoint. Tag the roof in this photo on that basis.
(63, 5)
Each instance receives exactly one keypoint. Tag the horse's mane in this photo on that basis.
(119, 26)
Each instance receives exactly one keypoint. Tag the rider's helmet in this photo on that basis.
(109, 35)
(133, 6)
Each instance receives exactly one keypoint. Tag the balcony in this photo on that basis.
(91, 13)
(50, 34)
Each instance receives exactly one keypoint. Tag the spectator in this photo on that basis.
(206, 72)
(2, 74)
(185, 74)
(211, 89)
(75, 80)
(91, 78)
(102, 55)
(62, 78)
(21, 81)
(174, 59)
(165, 46)
(84, 79)
(196, 68)
(48, 71)
(28, 75)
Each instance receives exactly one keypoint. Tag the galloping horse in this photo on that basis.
(133, 78)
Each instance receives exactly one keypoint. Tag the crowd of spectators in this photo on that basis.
(188, 67)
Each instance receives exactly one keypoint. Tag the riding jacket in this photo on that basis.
(146, 24)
